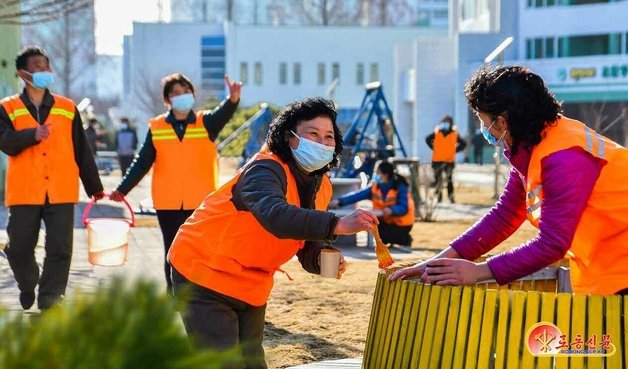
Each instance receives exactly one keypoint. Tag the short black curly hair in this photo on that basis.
(290, 116)
(519, 95)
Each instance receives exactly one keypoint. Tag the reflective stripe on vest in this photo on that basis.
(48, 168)
(380, 203)
(185, 171)
(228, 250)
(599, 249)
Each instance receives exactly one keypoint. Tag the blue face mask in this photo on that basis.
(182, 103)
(377, 179)
(41, 80)
(311, 155)
(499, 142)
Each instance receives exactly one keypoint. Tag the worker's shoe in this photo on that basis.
(27, 299)
(45, 302)
(452, 200)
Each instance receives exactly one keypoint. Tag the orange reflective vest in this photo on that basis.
(49, 167)
(228, 251)
(445, 146)
(599, 251)
(380, 203)
(185, 171)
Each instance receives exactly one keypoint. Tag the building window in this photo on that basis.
(359, 74)
(321, 73)
(213, 66)
(296, 70)
(283, 73)
(374, 72)
(244, 73)
(441, 13)
(335, 71)
(586, 45)
(257, 73)
(615, 43)
(538, 48)
(549, 47)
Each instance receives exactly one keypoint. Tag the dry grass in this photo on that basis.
(312, 318)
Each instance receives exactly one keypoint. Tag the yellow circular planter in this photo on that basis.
(415, 325)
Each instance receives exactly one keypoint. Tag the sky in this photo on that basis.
(114, 19)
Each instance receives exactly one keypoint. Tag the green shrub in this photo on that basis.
(118, 327)
(234, 149)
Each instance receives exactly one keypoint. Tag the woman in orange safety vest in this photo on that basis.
(392, 203)
(180, 146)
(566, 179)
(274, 208)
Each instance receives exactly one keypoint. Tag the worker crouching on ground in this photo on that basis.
(392, 204)
(180, 145)
(274, 208)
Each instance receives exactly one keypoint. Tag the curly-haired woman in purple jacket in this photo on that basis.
(566, 179)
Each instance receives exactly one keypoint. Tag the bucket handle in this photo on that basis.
(91, 204)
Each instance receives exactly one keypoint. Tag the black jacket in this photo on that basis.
(13, 142)
(262, 190)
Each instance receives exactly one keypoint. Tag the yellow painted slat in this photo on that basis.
(439, 331)
(474, 328)
(391, 339)
(451, 330)
(563, 322)
(515, 330)
(384, 339)
(625, 313)
(487, 337)
(613, 317)
(533, 306)
(503, 320)
(370, 336)
(430, 327)
(399, 303)
(548, 308)
(417, 290)
(595, 326)
(578, 326)
(405, 339)
(463, 328)
(380, 328)
(418, 338)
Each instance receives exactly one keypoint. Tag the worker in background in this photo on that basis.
(392, 204)
(226, 254)
(42, 133)
(181, 146)
(126, 144)
(445, 143)
(93, 134)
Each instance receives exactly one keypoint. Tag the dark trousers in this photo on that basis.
(23, 228)
(478, 155)
(391, 233)
(447, 169)
(220, 322)
(169, 222)
(125, 162)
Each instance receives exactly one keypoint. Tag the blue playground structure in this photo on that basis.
(370, 137)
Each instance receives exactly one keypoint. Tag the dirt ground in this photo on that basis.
(312, 318)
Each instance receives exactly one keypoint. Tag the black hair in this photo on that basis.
(21, 60)
(390, 170)
(169, 81)
(519, 95)
(290, 116)
(447, 119)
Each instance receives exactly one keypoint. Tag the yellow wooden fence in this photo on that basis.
(414, 325)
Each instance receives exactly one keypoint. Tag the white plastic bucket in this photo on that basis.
(107, 238)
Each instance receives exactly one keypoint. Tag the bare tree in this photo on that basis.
(38, 11)
(70, 42)
(147, 94)
(607, 118)
(321, 12)
(391, 12)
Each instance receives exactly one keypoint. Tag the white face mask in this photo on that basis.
(311, 155)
